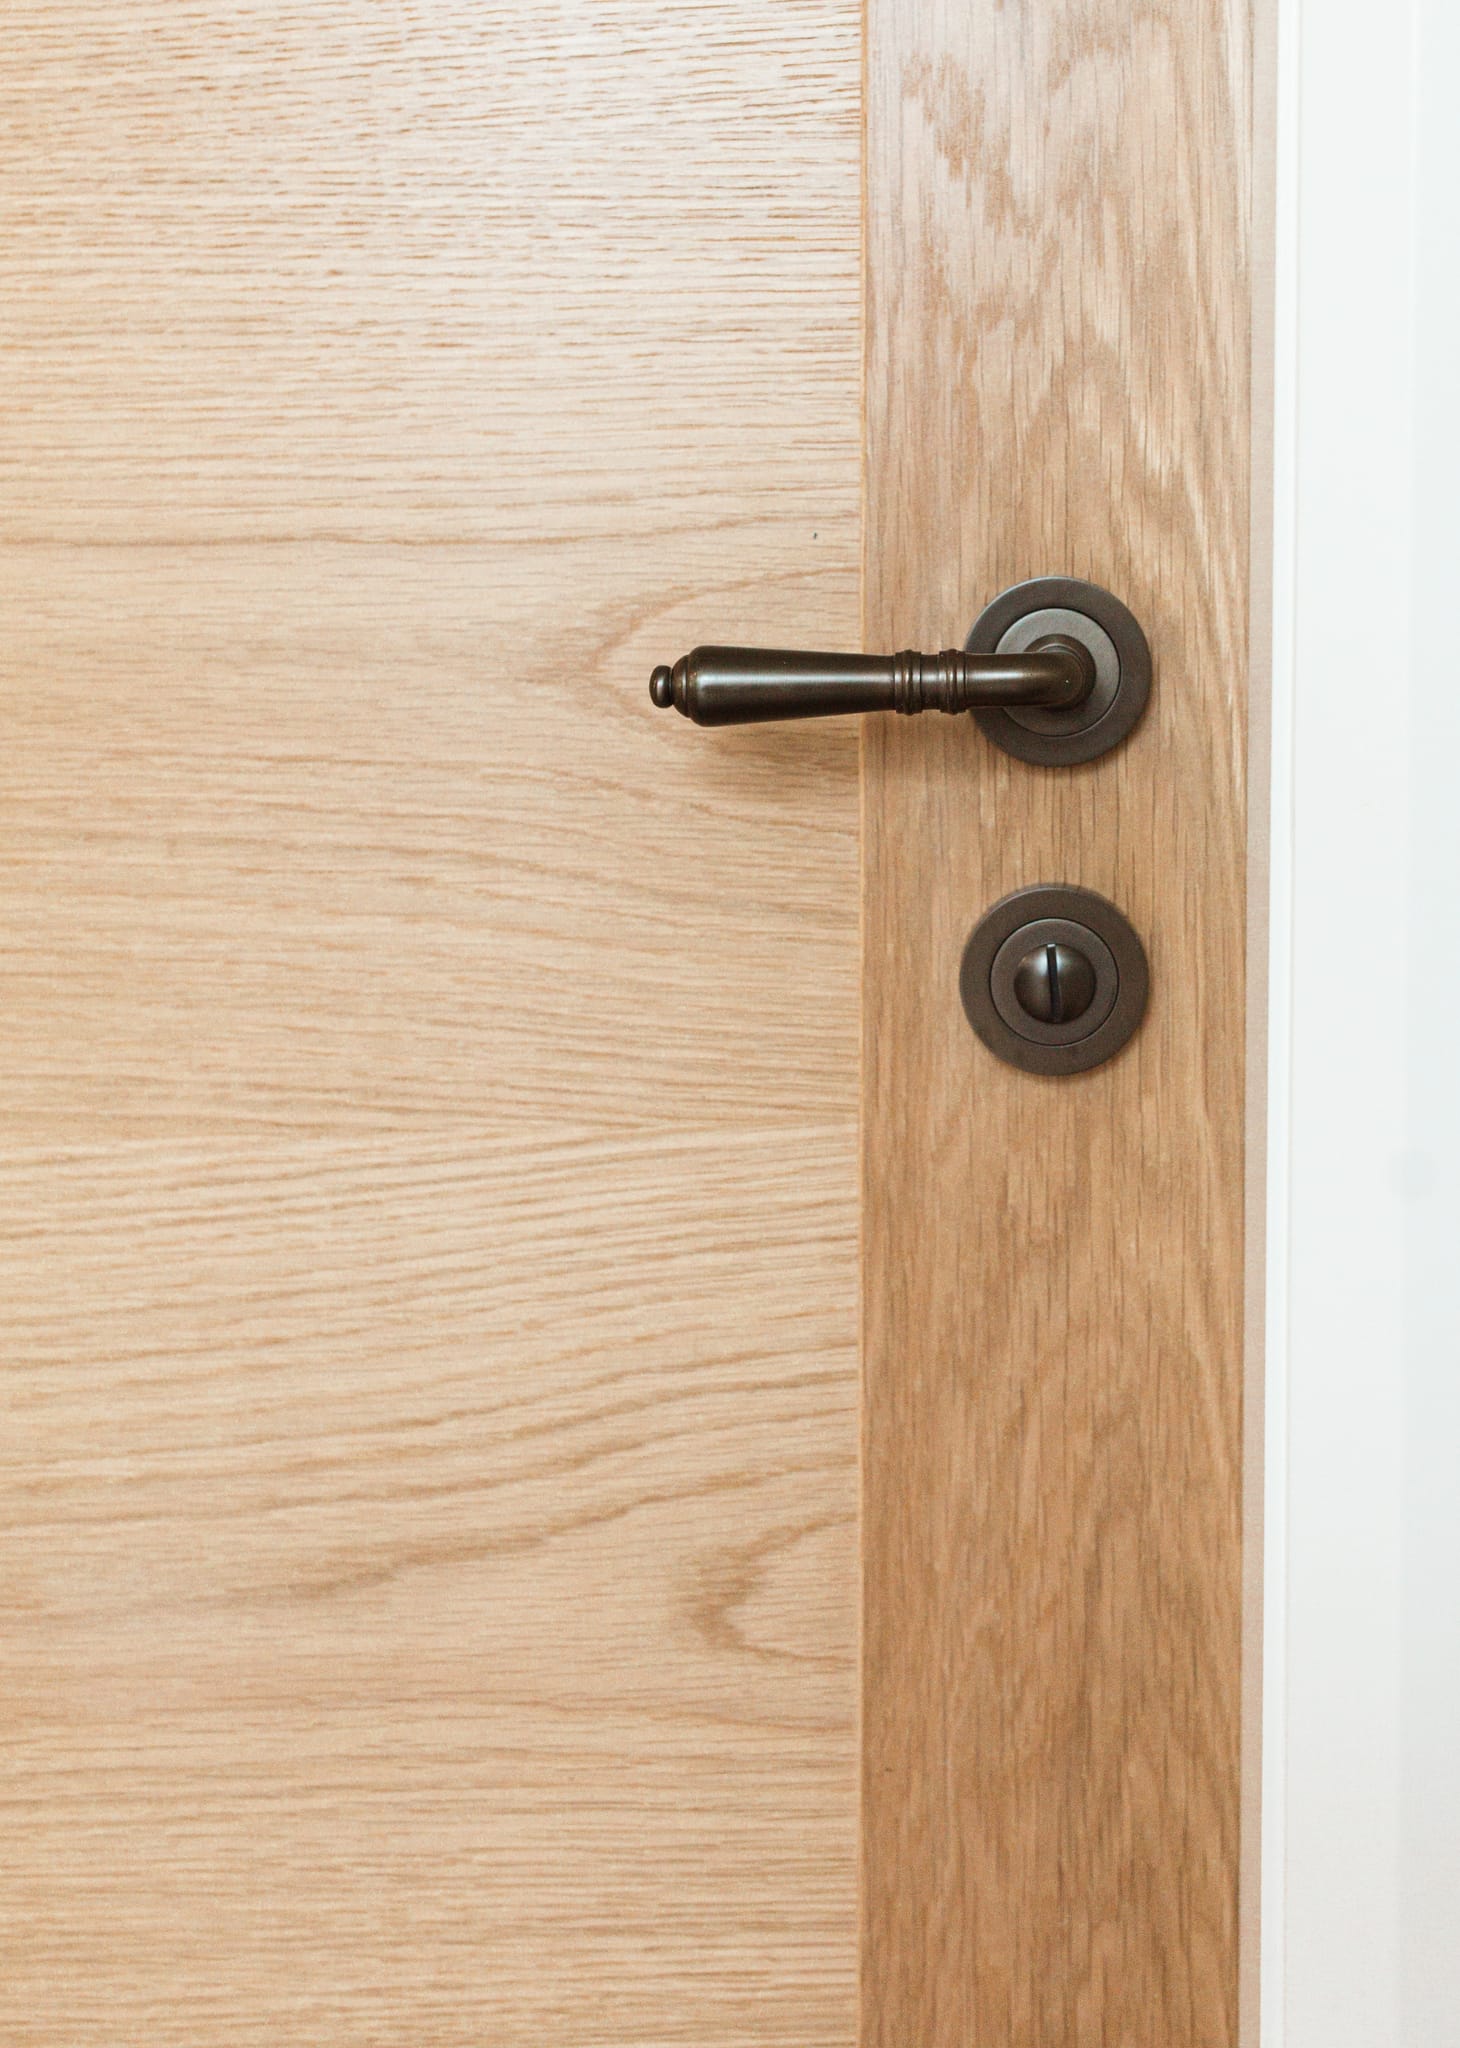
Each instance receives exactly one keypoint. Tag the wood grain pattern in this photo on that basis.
(1057, 383)
(428, 1078)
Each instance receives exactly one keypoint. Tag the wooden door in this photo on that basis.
(438, 1601)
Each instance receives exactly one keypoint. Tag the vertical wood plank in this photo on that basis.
(1057, 382)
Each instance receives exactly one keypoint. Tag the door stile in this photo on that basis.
(1057, 382)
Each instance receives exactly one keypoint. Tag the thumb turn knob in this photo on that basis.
(1054, 980)
(1054, 984)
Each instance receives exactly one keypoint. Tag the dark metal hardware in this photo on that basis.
(1115, 643)
(1054, 670)
(1054, 980)
(744, 685)
(1054, 983)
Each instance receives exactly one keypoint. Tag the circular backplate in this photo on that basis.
(1078, 917)
(1048, 605)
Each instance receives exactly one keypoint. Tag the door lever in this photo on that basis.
(744, 685)
(1055, 670)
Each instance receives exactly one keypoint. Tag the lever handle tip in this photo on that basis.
(661, 687)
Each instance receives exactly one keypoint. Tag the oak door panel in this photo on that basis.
(429, 1089)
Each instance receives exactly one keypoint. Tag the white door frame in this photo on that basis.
(1354, 1785)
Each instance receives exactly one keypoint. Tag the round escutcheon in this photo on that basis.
(1051, 606)
(1054, 980)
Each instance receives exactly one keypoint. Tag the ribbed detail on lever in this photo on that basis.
(931, 682)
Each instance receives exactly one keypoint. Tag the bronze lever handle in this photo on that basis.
(745, 685)
(1056, 672)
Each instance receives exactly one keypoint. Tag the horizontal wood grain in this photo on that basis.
(1058, 355)
(420, 273)
(416, 1568)
(428, 1077)
(348, 835)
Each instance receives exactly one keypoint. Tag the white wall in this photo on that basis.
(1361, 1716)
(1429, 1890)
